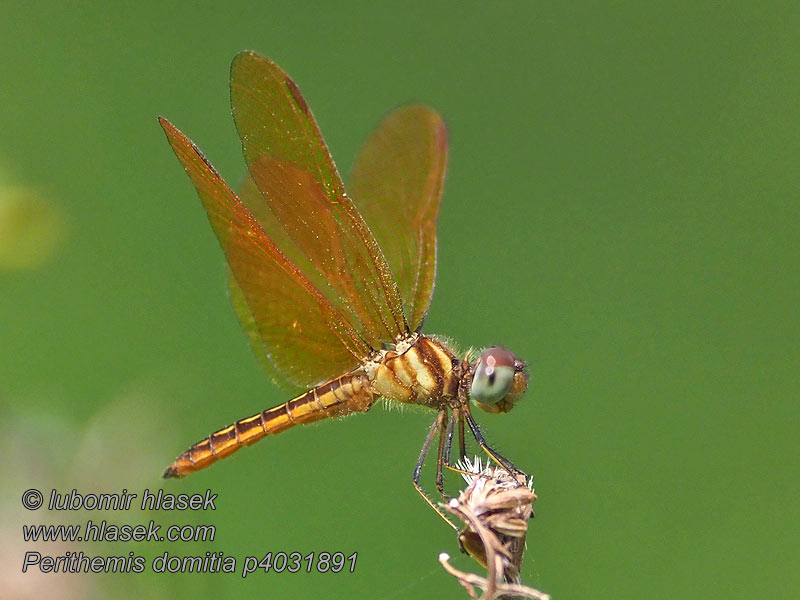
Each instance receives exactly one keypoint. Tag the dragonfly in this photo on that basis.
(331, 286)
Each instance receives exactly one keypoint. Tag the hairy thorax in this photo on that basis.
(417, 370)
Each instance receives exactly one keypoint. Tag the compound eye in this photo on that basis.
(494, 374)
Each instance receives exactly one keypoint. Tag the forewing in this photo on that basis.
(304, 336)
(323, 232)
(397, 186)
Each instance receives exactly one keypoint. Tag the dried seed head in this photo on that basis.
(495, 508)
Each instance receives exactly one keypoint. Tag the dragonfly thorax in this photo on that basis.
(416, 370)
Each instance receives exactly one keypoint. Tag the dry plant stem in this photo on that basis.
(470, 581)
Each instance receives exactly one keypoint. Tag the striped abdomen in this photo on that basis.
(346, 394)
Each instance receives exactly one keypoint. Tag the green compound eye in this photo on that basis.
(494, 374)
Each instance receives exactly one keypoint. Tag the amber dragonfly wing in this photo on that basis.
(326, 236)
(295, 320)
(396, 184)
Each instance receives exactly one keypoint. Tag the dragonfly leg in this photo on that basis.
(449, 444)
(493, 454)
(462, 444)
(448, 463)
(444, 439)
(438, 424)
(456, 414)
(425, 447)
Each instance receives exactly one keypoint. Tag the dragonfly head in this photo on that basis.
(499, 379)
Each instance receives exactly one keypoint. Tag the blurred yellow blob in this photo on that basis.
(31, 228)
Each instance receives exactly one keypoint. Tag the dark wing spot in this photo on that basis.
(296, 95)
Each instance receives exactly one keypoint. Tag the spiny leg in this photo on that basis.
(437, 425)
(443, 435)
(455, 415)
(493, 454)
(449, 445)
(425, 447)
(462, 443)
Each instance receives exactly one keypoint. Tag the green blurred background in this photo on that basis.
(621, 209)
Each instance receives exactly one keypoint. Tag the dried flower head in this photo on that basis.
(495, 508)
